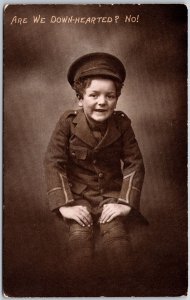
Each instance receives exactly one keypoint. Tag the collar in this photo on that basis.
(83, 131)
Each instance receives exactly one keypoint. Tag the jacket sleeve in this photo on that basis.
(56, 159)
(133, 168)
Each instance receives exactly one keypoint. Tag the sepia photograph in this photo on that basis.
(95, 150)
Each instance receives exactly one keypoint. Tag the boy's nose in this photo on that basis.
(102, 100)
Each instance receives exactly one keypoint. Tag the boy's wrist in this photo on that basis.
(63, 208)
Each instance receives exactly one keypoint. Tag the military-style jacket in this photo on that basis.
(77, 167)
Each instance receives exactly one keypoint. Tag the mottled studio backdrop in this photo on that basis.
(151, 42)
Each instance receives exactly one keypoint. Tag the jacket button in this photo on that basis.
(101, 191)
(94, 161)
(101, 175)
(73, 154)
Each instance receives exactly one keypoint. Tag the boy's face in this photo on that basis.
(99, 99)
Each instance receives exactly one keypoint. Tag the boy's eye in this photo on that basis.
(93, 95)
(111, 96)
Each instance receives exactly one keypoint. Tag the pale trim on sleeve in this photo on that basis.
(54, 189)
(130, 176)
(122, 200)
(63, 186)
(136, 189)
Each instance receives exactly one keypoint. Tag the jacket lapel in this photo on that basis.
(82, 130)
(111, 135)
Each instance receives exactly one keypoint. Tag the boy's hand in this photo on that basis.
(113, 210)
(78, 213)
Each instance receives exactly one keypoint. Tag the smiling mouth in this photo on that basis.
(100, 110)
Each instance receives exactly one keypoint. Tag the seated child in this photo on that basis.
(94, 168)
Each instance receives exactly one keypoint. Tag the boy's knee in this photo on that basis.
(79, 234)
(114, 230)
(115, 226)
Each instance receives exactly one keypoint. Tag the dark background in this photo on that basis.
(36, 92)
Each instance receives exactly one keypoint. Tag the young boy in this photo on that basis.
(94, 168)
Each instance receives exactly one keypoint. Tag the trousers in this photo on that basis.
(102, 249)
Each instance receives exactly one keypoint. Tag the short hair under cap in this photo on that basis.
(96, 64)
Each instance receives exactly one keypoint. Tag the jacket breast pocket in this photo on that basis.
(78, 152)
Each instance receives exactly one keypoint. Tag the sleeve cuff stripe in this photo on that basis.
(135, 188)
(54, 189)
(130, 176)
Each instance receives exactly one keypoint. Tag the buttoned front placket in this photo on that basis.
(99, 172)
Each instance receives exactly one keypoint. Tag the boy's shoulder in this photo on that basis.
(118, 114)
(68, 115)
(121, 119)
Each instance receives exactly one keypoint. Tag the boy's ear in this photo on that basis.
(80, 104)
